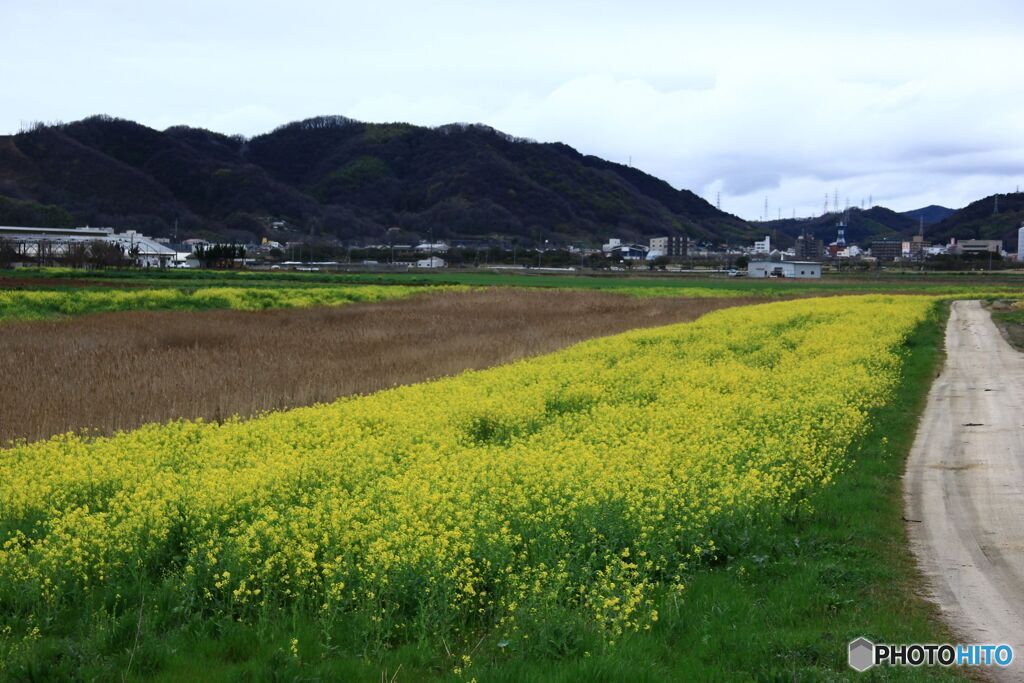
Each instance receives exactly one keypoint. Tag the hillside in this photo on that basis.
(931, 214)
(983, 219)
(333, 176)
(862, 225)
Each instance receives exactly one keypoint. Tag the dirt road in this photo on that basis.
(964, 486)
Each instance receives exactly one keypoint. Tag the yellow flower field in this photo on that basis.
(587, 478)
(33, 304)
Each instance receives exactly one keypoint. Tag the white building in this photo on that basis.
(148, 252)
(438, 247)
(793, 269)
(629, 252)
(763, 246)
(1020, 243)
(610, 245)
(979, 246)
(432, 262)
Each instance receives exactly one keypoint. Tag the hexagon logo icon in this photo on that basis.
(862, 654)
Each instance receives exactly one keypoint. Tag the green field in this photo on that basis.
(82, 296)
(777, 596)
(39, 304)
(778, 599)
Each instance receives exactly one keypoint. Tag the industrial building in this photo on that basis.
(33, 243)
(977, 247)
(627, 252)
(792, 269)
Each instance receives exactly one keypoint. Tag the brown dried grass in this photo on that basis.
(116, 371)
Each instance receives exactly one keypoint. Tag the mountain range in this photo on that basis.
(337, 177)
(994, 217)
(334, 177)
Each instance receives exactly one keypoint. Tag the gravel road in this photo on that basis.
(964, 486)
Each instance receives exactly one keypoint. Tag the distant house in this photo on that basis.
(791, 269)
(432, 262)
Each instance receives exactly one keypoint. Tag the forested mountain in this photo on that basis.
(996, 217)
(333, 176)
(861, 225)
(931, 214)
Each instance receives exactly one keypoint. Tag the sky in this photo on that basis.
(901, 104)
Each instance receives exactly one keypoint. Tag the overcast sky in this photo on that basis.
(908, 102)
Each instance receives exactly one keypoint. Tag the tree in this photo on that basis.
(658, 262)
(219, 255)
(8, 254)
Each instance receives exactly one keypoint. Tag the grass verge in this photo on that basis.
(1010, 320)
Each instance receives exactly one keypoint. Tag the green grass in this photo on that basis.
(1012, 323)
(777, 604)
(38, 304)
(965, 285)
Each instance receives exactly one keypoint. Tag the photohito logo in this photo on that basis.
(864, 654)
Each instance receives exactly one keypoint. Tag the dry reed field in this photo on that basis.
(116, 371)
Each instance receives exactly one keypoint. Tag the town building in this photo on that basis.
(763, 246)
(629, 252)
(807, 248)
(611, 244)
(790, 269)
(35, 243)
(978, 247)
(887, 249)
(673, 246)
